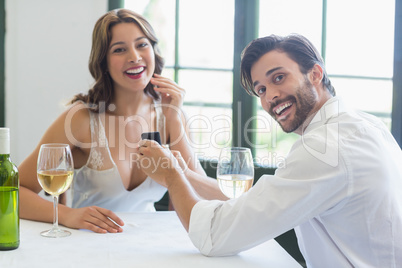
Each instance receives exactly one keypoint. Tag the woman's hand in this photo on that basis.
(172, 95)
(96, 219)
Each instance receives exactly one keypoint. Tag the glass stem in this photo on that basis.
(234, 189)
(55, 212)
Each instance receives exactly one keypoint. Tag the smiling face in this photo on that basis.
(285, 93)
(130, 57)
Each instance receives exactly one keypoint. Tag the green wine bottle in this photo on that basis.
(9, 205)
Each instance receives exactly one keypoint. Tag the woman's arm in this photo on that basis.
(172, 102)
(67, 128)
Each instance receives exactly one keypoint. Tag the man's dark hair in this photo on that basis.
(297, 47)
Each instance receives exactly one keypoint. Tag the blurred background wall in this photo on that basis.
(47, 45)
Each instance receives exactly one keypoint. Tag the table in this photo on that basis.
(155, 239)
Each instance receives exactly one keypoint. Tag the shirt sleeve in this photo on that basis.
(200, 223)
(274, 205)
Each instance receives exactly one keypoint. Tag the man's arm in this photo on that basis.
(182, 195)
(206, 187)
(163, 167)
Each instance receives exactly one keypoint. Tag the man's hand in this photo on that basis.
(157, 162)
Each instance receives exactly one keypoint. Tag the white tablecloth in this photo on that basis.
(148, 240)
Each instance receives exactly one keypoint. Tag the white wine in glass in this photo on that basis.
(235, 171)
(55, 171)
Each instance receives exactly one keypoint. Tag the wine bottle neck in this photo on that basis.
(4, 146)
(4, 157)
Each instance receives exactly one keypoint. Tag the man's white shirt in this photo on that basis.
(340, 188)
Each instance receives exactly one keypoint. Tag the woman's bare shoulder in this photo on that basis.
(77, 121)
(72, 126)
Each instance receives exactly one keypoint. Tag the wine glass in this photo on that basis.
(235, 171)
(55, 171)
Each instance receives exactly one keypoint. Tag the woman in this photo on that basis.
(103, 127)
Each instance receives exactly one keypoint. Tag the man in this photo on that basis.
(341, 188)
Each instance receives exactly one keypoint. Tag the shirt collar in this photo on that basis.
(331, 108)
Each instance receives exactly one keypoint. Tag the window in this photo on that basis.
(360, 54)
(199, 47)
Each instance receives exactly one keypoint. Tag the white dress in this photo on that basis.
(98, 182)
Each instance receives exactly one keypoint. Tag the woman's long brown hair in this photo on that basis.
(103, 91)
